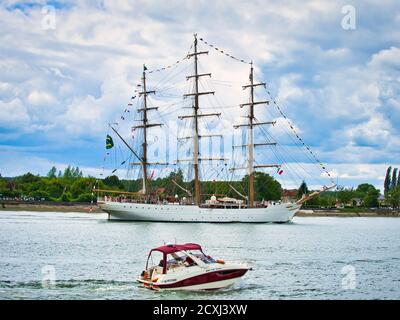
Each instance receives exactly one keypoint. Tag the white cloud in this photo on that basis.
(339, 89)
(13, 114)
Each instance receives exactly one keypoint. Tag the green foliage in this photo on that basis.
(114, 182)
(71, 172)
(394, 198)
(72, 186)
(27, 178)
(265, 187)
(40, 195)
(52, 172)
(387, 182)
(344, 196)
(393, 185)
(303, 189)
(85, 197)
(365, 188)
(371, 198)
(66, 197)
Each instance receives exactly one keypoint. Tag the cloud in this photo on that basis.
(339, 88)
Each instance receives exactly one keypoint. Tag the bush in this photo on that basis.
(39, 195)
(66, 197)
(85, 197)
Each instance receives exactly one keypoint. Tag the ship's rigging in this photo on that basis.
(193, 127)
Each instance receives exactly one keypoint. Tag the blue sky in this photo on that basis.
(60, 87)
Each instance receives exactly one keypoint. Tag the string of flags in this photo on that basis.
(300, 139)
(169, 66)
(223, 52)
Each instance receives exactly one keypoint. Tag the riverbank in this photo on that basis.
(38, 207)
(93, 208)
(340, 213)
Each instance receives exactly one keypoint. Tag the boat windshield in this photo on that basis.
(204, 258)
(182, 259)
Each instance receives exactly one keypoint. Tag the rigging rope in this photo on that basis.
(323, 166)
(223, 52)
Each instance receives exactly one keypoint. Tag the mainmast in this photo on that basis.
(250, 144)
(195, 116)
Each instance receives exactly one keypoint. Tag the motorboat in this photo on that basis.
(187, 267)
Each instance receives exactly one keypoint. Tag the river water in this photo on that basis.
(48, 255)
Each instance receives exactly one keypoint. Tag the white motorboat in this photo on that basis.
(187, 267)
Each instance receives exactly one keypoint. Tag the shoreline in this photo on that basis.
(88, 208)
(84, 208)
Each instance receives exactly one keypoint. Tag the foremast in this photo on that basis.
(145, 125)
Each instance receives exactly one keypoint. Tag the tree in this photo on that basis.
(303, 189)
(52, 172)
(371, 198)
(387, 182)
(394, 180)
(345, 196)
(67, 172)
(113, 181)
(394, 198)
(28, 178)
(76, 173)
(364, 188)
(66, 197)
(265, 187)
(40, 194)
(85, 197)
(398, 181)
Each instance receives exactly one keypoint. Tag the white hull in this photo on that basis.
(280, 213)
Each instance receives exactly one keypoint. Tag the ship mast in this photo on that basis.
(196, 115)
(250, 144)
(145, 125)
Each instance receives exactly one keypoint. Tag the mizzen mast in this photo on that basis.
(250, 144)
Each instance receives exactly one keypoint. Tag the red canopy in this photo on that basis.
(177, 247)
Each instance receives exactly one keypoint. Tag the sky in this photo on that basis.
(67, 68)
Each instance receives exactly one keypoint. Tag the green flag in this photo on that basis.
(109, 142)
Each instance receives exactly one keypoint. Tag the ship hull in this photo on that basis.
(278, 213)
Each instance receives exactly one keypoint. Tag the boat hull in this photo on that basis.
(206, 281)
(279, 213)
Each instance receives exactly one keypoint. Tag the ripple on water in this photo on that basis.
(95, 259)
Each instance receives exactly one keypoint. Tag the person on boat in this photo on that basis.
(188, 261)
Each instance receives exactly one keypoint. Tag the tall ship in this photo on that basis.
(236, 200)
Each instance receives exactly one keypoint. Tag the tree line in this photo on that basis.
(71, 186)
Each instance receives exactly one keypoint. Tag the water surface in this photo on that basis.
(92, 258)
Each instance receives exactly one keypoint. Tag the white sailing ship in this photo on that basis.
(197, 207)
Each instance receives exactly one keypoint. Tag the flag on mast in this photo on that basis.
(109, 142)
